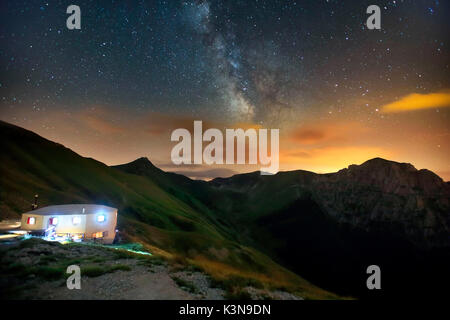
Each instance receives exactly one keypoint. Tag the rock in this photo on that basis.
(388, 193)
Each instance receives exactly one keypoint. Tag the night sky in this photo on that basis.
(136, 70)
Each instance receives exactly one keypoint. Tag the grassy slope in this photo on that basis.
(161, 214)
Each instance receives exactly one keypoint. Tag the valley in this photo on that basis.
(311, 235)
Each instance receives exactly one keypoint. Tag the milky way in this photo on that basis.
(226, 60)
(252, 60)
(277, 64)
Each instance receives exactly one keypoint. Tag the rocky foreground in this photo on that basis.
(34, 269)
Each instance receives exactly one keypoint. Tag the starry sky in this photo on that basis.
(338, 92)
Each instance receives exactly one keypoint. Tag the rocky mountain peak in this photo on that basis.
(142, 166)
(392, 177)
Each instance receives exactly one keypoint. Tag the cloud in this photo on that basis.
(299, 154)
(332, 158)
(207, 174)
(168, 166)
(328, 146)
(416, 101)
(326, 132)
(309, 136)
(100, 124)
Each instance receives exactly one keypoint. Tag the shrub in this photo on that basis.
(122, 267)
(151, 261)
(49, 273)
(186, 285)
(15, 269)
(93, 271)
(29, 243)
(96, 271)
(123, 254)
(179, 262)
(238, 295)
(47, 259)
(235, 281)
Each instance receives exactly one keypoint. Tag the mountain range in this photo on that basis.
(315, 232)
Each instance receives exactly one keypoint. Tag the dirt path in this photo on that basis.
(138, 284)
(37, 270)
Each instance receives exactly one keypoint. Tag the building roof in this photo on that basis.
(67, 209)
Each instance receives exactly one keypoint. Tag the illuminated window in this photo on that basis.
(101, 218)
(76, 220)
(31, 220)
(97, 235)
(76, 236)
(54, 221)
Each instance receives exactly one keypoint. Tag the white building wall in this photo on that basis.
(38, 225)
(108, 226)
(65, 223)
(88, 224)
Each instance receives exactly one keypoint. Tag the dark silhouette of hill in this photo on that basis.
(326, 228)
(155, 209)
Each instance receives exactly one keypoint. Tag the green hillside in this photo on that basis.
(326, 228)
(168, 213)
(330, 227)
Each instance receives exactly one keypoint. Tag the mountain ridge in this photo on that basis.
(377, 175)
(168, 223)
(380, 210)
